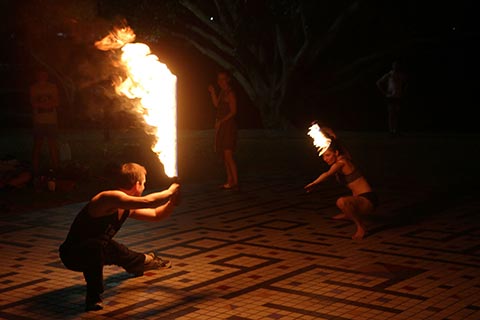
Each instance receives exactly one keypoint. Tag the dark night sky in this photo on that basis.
(443, 74)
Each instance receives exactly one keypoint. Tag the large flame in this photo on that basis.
(319, 139)
(153, 86)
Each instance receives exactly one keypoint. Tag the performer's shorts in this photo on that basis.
(370, 196)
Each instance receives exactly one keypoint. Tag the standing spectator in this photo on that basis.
(225, 103)
(44, 97)
(393, 85)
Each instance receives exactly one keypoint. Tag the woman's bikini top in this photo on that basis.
(347, 178)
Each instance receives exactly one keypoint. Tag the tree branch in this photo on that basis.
(205, 19)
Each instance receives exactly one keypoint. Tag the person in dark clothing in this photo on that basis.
(363, 200)
(14, 174)
(89, 246)
(225, 103)
(45, 101)
(393, 86)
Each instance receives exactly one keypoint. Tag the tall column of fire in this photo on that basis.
(153, 88)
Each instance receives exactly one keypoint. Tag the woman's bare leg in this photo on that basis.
(231, 168)
(351, 207)
(340, 216)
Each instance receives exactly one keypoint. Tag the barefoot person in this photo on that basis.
(89, 245)
(362, 201)
(226, 127)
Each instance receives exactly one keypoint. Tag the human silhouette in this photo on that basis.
(45, 100)
(225, 103)
(393, 85)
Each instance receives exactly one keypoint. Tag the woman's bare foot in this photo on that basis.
(228, 186)
(341, 216)
(360, 234)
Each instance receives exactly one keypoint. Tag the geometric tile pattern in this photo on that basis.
(269, 251)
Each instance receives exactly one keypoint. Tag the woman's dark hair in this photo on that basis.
(224, 71)
(227, 73)
(335, 145)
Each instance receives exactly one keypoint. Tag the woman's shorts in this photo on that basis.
(370, 196)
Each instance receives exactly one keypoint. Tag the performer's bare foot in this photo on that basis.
(341, 216)
(228, 186)
(361, 232)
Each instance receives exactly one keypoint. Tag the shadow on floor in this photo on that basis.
(69, 302)
(428, 205)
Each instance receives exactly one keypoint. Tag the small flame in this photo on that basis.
(319, 139)
(153, 86)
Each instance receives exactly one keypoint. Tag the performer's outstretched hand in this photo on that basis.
(309, 187)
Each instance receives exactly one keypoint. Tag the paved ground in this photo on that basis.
(270, 251)
(266, 252)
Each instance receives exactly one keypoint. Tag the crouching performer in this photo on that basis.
(89, 245)
(362, 201)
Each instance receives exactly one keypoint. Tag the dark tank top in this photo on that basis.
(86, 227)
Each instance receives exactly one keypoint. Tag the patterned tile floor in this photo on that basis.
(269, 251)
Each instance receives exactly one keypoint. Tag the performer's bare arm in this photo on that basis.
(381, 83)
(325, 175)
(106, 202)
(213, 95)
(154, 214)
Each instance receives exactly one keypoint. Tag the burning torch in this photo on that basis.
(320, 140)
(152, 87)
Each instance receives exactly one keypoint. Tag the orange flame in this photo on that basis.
(116, 39)
(154, 86)
(319, 139)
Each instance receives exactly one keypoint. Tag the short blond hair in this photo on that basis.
(130, 173)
